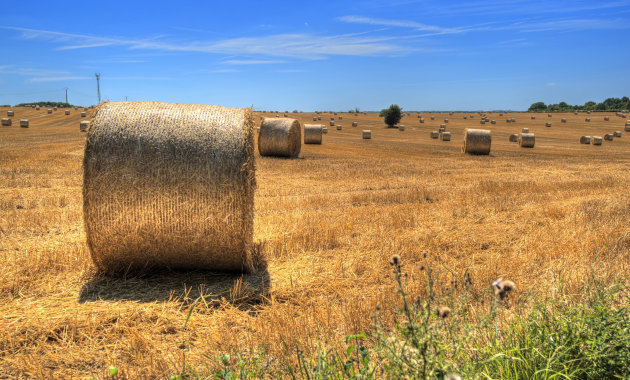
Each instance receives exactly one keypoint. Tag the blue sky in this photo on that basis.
(422, 55)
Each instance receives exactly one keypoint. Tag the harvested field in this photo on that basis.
(326, 226)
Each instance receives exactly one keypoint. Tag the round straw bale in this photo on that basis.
(508, 120)
(319, 117)
(84, 126)
(169, 185)
(422, 120)
(24, 123)
(493, 122)
(49, 110)
(332, 123)
(340, 117)
(277, 115)
(339, 127)
(548, 115)
(324, 129)
(446, 136)
(588, 119)
(54, 108)
(609, 137)
(477, 141)
(547, 124)
(401, 127)
(280, 138)
(10, 113)
(585, 140)
(627, 128)
(525, 130)
(367, 134)
(465, 117)
(500, 114)
(526, 140)
(435, 134)
(355, 124)
(286, 115)
(332, 119)
(446, 120)
(37, 108)
(597, 140)
(314, 119)
(533, 117)
(67, 112)
(514, 137)
(482, 122)
(575, 113)
(432, 117)
(564, 120)
(83, 114)
(313, 133)
(6, 122)
(606, 118)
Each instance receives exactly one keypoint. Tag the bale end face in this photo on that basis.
(84, 126)
(525, 130)
(280, 137)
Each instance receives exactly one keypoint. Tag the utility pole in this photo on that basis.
(66, 95)
(98, 86)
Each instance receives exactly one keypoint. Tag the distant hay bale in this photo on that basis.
(332, 123)
(446, 136)
(597, 140)
(514, 137)
(526, 140)
(533, 117)
(83, 114)
(355, 124)
(525, 130)
(24, 123)
(84, 126)
(465, 117)
(340, 117)
(547, 124)
(401, 127)
(367, 134)
(422, 121)
(54, 108)
(435, 134)
(314, 119)
(10, 113)
(280, 138)
(319, 117)
(286, 115)
(617, 133)
(549, 115)
(432, 117)
(477, 141)
(627, 128)
(37, 108)
(564, 120)
(606, 118)
(575, 113)
(313, 133)
(339, 127)
(588, 119)
(6, 122)
(67, 112)
(49, 110)
(446, 120)
(332, 119)
(585, 140)
(169, 185)
(324, 129)
(482, 122)
(500, 114)
(277, 116)
(609, 137)
(508, 120)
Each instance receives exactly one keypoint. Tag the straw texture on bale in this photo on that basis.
(6, 122)
(169, 185)
(367, 134)
(435, 134)
(514, 137)
(477, 141)
(585, 140)
(313, 133)
(525, 130)
(526, 140)
(280, 138)
(609, 137)
(24, 123)
(446, 136)
(84, 126)
(617, 133)
(597, 140)
(10, 113)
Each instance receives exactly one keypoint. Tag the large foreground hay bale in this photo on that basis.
(169, 185)
(24, 123)
(477, 141)
(585, 140)
(526, 140)
(435, 134)
(313, 133)
(367, 134)
(514, 137)
(6, 122)
(609, 137)
(446, 136)
(597, 140)
(84, 126)
(280, 137)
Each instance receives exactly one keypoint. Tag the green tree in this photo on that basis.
(537, 107)
(392, 115)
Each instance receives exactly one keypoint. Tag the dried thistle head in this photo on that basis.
(443, 312)
(395, 260)
(502, 287)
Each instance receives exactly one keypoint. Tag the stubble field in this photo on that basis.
(327, 224)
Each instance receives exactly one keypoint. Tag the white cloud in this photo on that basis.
(399, 23)
(250, 62)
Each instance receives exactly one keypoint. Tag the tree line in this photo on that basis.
(610, 104)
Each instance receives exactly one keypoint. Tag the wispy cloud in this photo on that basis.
(397, 23)
(299, 45)
(250, 62)
(57, 79)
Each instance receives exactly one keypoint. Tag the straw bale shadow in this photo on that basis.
(180, 286)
